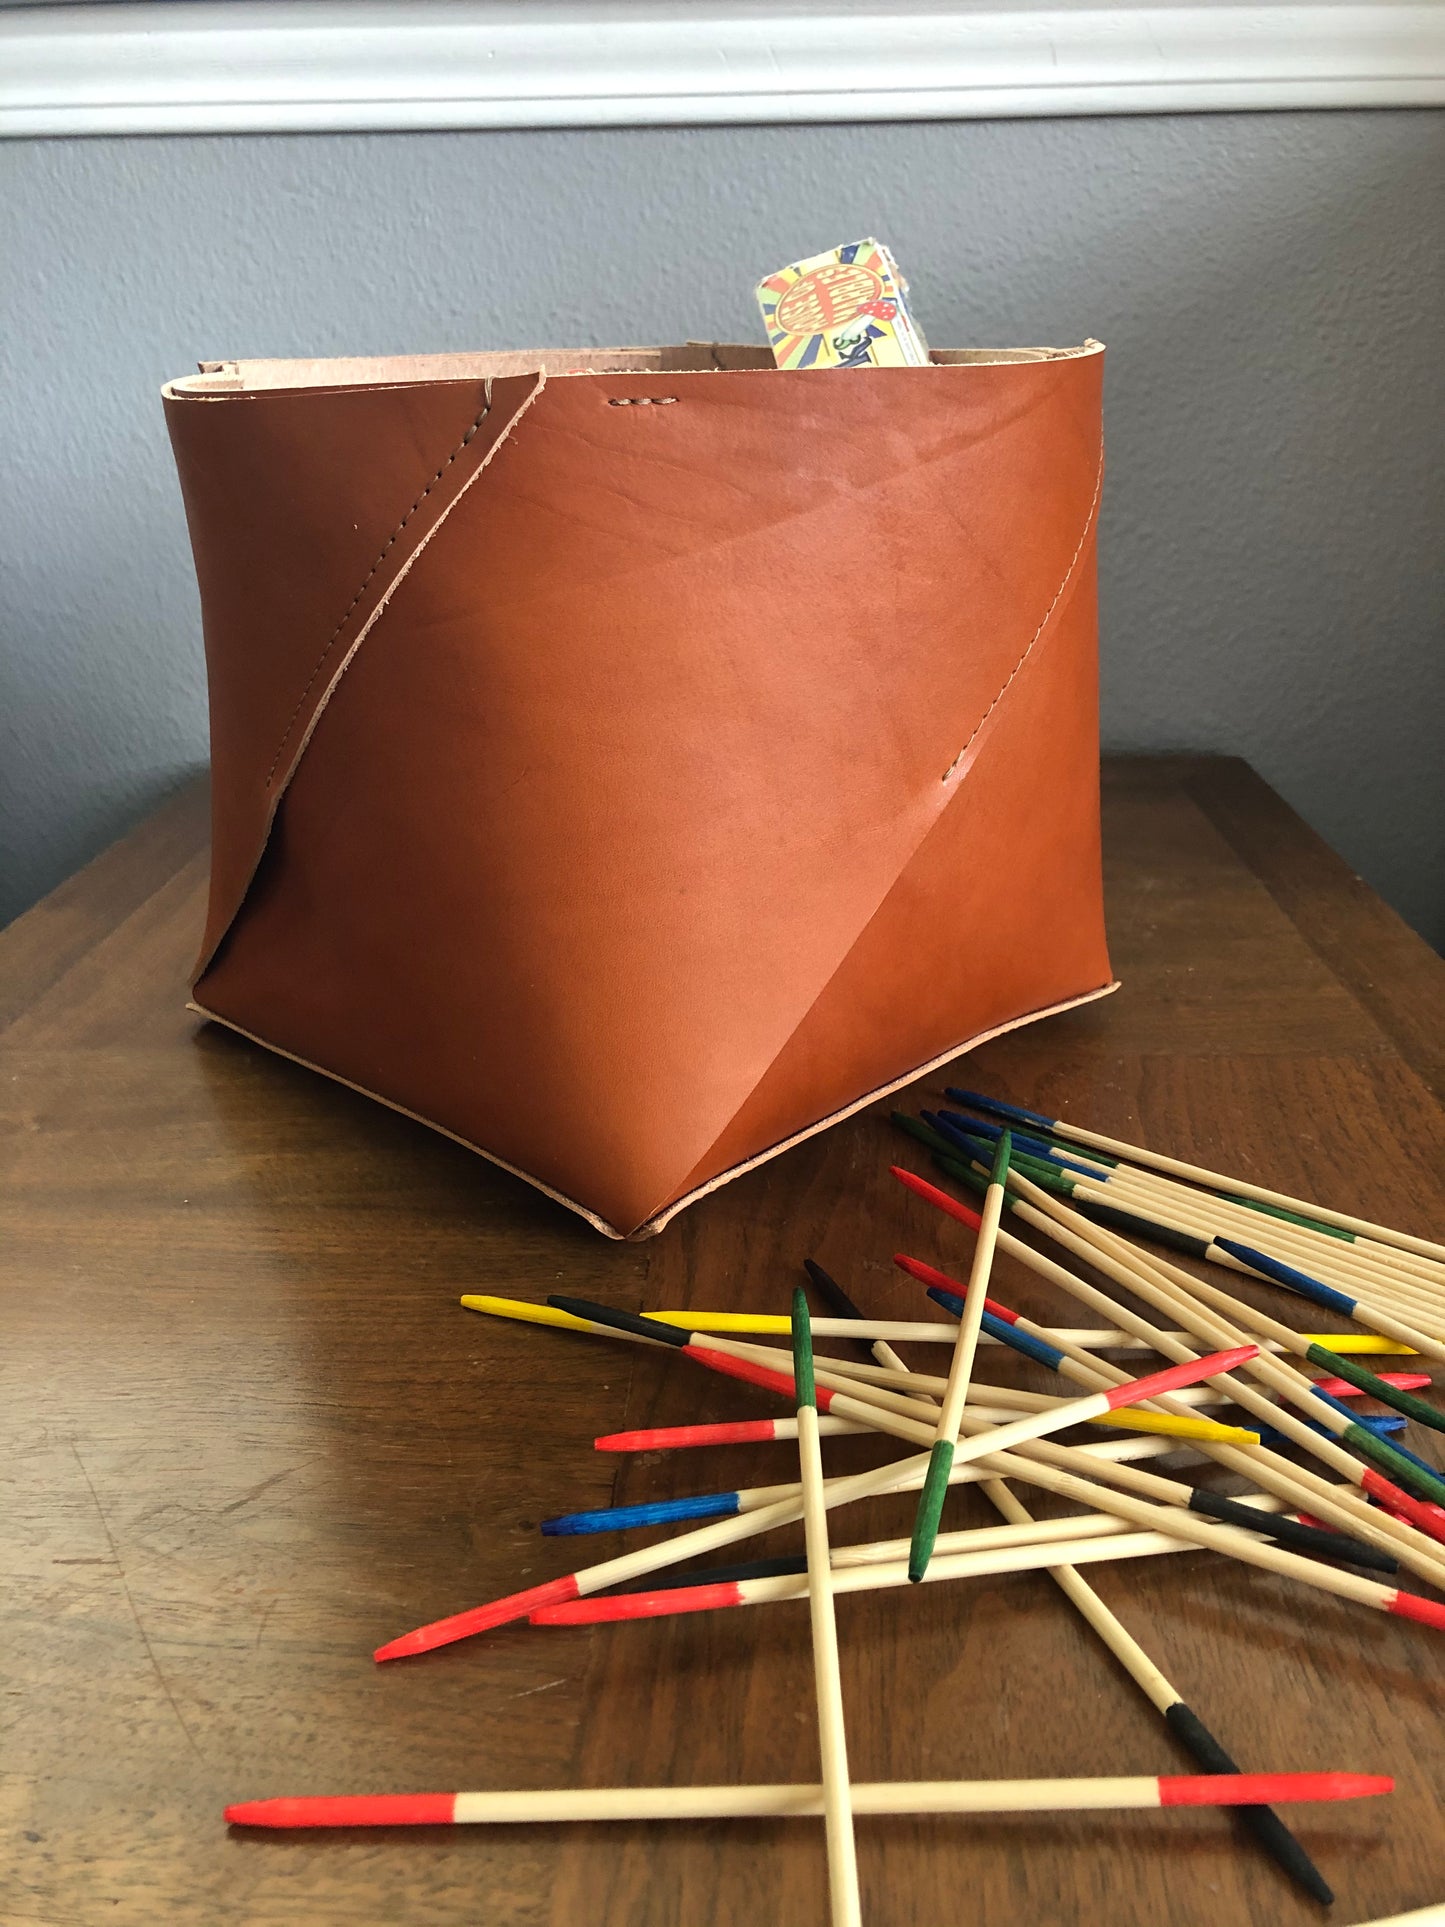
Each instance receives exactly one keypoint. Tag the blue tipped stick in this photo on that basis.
(662, 1512)
(1037, 1349)
(1286, 1275)
(1033, 1146)
(995, 1107)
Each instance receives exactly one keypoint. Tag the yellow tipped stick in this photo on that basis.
(901, 1331)
(1126, 1419)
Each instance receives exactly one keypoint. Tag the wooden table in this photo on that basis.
(249, 1433)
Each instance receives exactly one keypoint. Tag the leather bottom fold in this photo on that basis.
(656, 1223)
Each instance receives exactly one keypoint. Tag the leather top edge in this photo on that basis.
(218, 379)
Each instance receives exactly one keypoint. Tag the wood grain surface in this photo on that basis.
(248, 1433)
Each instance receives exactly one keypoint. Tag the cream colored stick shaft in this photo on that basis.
(1394, 1258)
(1106, 1452)
(805, 1802)
(1171, 1290)
(902, 1378)
(1312, 1251)
(901, 1416)
(1004, 1538)
(875, 1385)
(1342, 1506)
(1240, 1187)
(837, 1796)
(885, 1575)
(982, 1437)
(1175, 1522)
(1091, 1608)
(989, 1539)
(971, 1323)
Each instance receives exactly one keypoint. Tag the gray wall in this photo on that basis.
(1269, 287)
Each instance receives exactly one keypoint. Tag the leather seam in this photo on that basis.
(209, 951)
(1007, 683)
(387, 548)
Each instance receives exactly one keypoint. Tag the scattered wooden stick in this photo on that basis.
(1198, 1174)
(802, 1802)
(1408, 1524)
(945, 1445)
(832, 1742)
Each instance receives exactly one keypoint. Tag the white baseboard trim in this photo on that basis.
(333, 65)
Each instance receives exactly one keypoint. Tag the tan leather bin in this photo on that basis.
(629, 762)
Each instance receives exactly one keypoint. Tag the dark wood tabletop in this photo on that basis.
(249, 1433)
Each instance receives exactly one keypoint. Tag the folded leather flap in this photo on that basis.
(305, 510)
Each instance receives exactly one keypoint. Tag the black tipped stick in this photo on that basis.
(1263, 1822)
(833, 1295)
(630, 1322)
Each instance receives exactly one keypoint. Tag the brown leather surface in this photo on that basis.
(729, 751)
(303, 510)
(998, 913)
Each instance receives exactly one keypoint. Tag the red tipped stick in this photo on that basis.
(749, 1431)
(940, 1280)
(1189, 1372)
(1401, 1381)
(1420, 1513)
(750, 1372)
(1268, 1789)
(675, 1600)
(1409, 1605)
(941, 1198)
(481, 1619)
(783, 1802)
(347, 1810)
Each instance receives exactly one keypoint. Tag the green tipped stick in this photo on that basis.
(930, 1508)
(915, 1127)
(1406, 1402)
(935, 1485)
(973, 1177)
(807, 1393)
(1404, 1471)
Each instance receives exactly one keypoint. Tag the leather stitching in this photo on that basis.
(210, 949)
(387, 547)
(1028, 651)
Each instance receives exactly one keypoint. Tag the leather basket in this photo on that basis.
(629, 762)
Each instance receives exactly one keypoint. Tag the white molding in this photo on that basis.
(331, 65)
